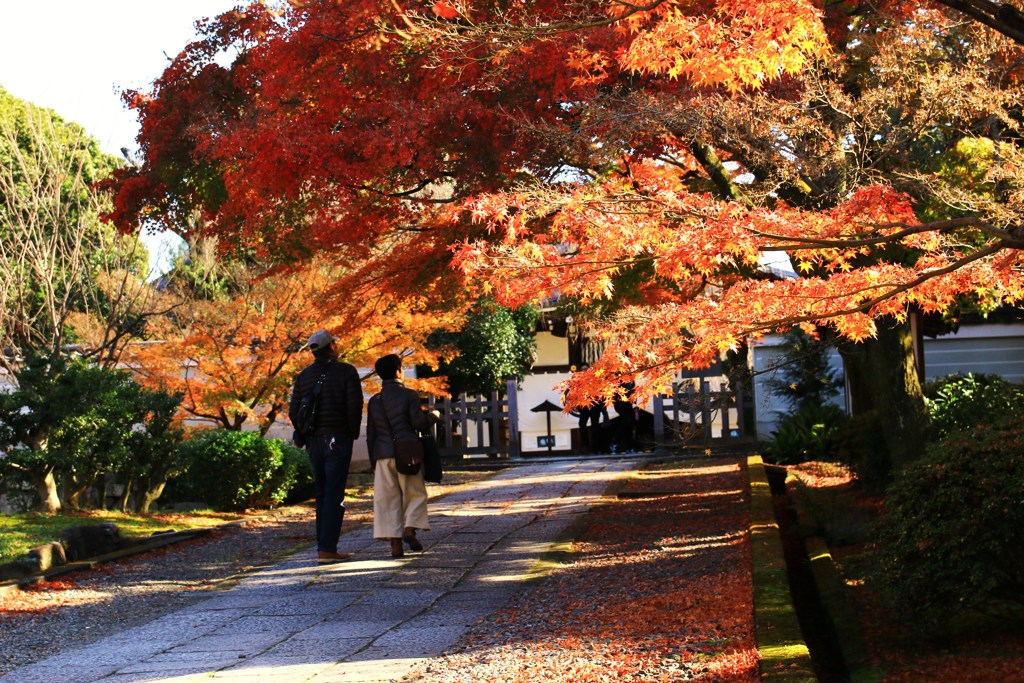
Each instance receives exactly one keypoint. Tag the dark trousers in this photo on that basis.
(590, 429)
(330, 457)
(624, 430)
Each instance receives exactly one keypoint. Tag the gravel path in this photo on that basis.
(82, 607)
(655, 588)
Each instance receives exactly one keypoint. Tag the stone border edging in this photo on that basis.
(783, 653)
(836, 600)
(149, 544)
(841, 612)
(144, 544)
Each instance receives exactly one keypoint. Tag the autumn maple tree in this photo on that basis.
(233, 356)
(570, 148)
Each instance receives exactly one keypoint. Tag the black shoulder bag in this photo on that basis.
(305, 417)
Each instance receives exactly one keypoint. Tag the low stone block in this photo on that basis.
(83, 542)
(19, 569)
(49, 555)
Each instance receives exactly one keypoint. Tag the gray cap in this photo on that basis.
(320, 339)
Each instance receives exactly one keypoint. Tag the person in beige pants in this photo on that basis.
(399, 500)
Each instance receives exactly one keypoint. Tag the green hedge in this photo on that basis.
(233, 470)
(958, 402)
(952, 541)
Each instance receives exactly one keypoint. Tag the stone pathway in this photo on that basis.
(369, 620)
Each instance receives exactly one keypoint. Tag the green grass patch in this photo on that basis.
(21, 532)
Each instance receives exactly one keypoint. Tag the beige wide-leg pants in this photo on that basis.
(399, 501)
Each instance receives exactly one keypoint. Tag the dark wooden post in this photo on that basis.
(512, 400)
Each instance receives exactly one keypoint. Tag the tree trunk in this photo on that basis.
(270, 418)
(46, 487)
(76, 494)
(147, 497)
(883, 377)
(126, 494)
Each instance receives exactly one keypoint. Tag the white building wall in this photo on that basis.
(765, 357)
(532, 426)
(539, 387)
(987, 348)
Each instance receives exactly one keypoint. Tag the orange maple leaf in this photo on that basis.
(444, 10)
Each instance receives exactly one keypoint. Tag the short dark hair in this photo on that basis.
(323, 351)
(387, 367)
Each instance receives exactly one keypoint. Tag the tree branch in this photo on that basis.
(719, 174)
(790, 243)
(1001, 17)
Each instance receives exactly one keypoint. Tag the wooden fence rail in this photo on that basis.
(698, 412)
(478, 425)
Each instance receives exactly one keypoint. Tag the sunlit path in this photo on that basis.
(370, 619)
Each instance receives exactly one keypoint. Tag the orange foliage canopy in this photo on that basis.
(564, 148)
(234, 361)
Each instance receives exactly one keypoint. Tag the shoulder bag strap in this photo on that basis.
(319, 386)
(384, 409)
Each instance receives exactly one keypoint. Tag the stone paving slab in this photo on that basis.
(369, 620)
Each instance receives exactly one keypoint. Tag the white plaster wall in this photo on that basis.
(765, 357)
(986, 348)
(551, 350)
(534, 391)
(989, 349)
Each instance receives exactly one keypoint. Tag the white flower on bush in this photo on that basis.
(139, 428)
(25, 410)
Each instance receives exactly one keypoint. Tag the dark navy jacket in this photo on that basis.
(340, 410)
(404, 414)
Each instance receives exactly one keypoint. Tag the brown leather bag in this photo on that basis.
(408, 452)
(408, 456)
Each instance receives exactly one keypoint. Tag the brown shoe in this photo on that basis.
(396, 548)
(413, 542)
(327, 557)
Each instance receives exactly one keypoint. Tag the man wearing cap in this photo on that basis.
(339, 414)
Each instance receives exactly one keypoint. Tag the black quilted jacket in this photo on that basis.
(341, 400)
(404, 412)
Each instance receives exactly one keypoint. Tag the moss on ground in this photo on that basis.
(784, 654)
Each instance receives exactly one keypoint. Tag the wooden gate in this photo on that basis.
(478, 425)
(703, 410)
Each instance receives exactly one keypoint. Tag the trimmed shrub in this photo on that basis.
(952, 540)
(809, 433)
(233, 470)
(85, 424)
(961, 401)
(295, 478)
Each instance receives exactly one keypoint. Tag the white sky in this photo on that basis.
(77, 56)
